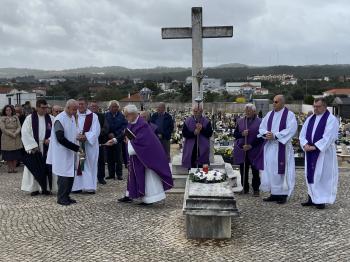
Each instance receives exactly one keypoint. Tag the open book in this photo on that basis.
(129, 134)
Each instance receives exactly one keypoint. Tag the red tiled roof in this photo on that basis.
(5, 90)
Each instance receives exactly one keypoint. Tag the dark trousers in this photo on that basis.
(65, 185)
(101, 164)
(114, 160)
(166, 145)
(245, 173)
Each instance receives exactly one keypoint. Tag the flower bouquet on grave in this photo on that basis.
(212, 176)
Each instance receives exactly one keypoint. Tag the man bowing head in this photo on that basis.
(278, 128)
(317, 138)
(149, 171)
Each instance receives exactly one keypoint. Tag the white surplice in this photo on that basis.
(271, 181)
(88, 179)
(154, 191)
(62, 159)
(324, 188)
(29, 183)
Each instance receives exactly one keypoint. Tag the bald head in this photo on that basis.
(278, 102)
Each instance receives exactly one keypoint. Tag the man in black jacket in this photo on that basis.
(165, 124)
(103, 138)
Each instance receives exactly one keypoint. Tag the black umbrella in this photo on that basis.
(36, 165)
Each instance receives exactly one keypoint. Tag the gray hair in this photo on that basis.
(322, 99)
(70, 102)
(250, 106)
(113, 102)
(131, 109)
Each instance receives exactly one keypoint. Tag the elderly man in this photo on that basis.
(56, 110)
(248, 148)
(101, 140)
(63, 150)
(317, 138)
(89, 131)
(278, 128)
(36, 132)
(149, 170)
(115, 125)
(196, 130)
(165, 124)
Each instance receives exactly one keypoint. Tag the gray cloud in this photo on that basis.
(60, 34)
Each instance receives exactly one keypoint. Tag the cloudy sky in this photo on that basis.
(57, 34)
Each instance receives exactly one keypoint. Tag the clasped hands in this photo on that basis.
(308, 148)
(198, 128)
(269, 135)
(81, 138)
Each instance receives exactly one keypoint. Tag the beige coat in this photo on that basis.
(11, 133)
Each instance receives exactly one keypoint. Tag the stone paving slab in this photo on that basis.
(100, 229)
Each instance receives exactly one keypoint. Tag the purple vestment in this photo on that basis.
(204, 144)
(255, 154)
(149, 154)
(312, 156)
(281, 147)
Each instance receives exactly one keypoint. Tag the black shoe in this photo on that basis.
(102, 182)
(320, 206)
(110, 177)
(72, 201)
(256, 193)
(125, 200)
(90, 192)
(282, 200)
(308, 203)
(64, 203)
(145, 204)
(120, 178)
(35, 193)
(271, 198)
(77, 191)
(46, 193)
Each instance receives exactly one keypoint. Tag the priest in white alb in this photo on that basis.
(89, 131)
(317, 138)
(36, 132)
(278, 128)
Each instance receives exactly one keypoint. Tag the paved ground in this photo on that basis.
(100, 229)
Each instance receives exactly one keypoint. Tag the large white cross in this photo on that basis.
(197, 32)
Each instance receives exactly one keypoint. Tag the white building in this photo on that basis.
(242, 87)
(15, 97)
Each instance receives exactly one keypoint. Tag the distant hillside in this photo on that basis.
(227, 72)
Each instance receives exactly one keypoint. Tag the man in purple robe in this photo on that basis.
(317, 138)
(248, 148)
(196, 130)
(149, 171)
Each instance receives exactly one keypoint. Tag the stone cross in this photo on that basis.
(197, 32)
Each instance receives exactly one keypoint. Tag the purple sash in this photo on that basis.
(281, 147)
(312, 156)
(35, 127)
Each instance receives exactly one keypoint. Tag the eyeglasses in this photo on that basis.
(275, 102)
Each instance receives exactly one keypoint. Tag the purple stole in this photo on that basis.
(254, 154)
(204, 144)
(312, 156)
(35, 127)
(86, 128)
(281, 147)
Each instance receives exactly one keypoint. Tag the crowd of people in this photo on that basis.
(72, 146)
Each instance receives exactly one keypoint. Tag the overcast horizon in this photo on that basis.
(67, 34)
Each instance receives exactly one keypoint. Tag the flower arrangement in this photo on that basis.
(212, 176)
